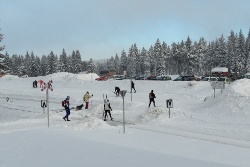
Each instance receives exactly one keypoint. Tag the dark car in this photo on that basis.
(151, 78)
(163, 78)
(186, 78)
(139, 78)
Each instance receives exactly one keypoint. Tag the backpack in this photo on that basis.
(151, 95)
(63, 103)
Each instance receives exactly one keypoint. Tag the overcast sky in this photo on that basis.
(101, 28)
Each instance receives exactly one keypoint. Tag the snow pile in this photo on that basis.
(90, 123)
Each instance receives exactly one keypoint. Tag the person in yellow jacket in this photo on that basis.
(86, 98)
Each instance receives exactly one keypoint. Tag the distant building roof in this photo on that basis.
(220, 69)
(247, 74)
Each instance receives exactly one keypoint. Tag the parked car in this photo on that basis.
(140, 78)
(209, 79)
(151, 78)
(163, 78)
(225, 79)
(24, 76)
(101, 79)
(187, 78)
(119, 77)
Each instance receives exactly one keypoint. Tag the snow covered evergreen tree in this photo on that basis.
(91, 66)
(63, 63)
(38, 66)
(3, 66)
(200, 51)
(14, 65)
(117, 64)
(241, 52)
(7, 63)
(159, 58)
(145, 65)
(231, 58)
(77, 62)
(44, 66)
(221, 51)
(52, 63)
(190, 57)
(133, 52)
(124, 61)
(247, 54)
(33, 68)
(26, 65)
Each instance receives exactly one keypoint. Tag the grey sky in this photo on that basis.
(101, 28)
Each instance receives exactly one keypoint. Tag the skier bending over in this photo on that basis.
(107, 109)
(117, 91)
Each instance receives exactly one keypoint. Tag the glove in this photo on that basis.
(111, 109)
(92, 95)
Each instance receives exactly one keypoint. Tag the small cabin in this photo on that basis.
(220, 71)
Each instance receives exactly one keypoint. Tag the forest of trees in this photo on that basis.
(185, 57)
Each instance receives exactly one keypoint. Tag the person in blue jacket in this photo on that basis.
(66, 106)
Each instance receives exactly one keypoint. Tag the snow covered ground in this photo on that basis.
(201, 131)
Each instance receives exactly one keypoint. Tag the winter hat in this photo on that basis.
(68, 97)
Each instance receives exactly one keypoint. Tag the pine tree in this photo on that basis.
(200, 51)
(44, 66)
(52, 63)
(131, 60)
(7, 63)
(159, 58)
(247, 54)
(241, 52)
(91, 66)
(145, 65)
(38, 66)
(152, 60)
(63, 63)
(190, 57)
(33, 66)
(221, 51)
(15, 63)
(232, 62)
(117, 64)
(26, 65)
(3, 66)
(77, 62)
(124, 61)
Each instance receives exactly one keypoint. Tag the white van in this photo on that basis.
(118, 77)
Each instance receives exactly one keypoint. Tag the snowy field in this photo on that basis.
(202, 131)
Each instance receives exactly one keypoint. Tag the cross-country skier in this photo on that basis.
(151, 98)
(66, 106)
(41, 83)
(86, 98)
(107, 109)
(117, 91)
(133, 86)
(35, 84)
